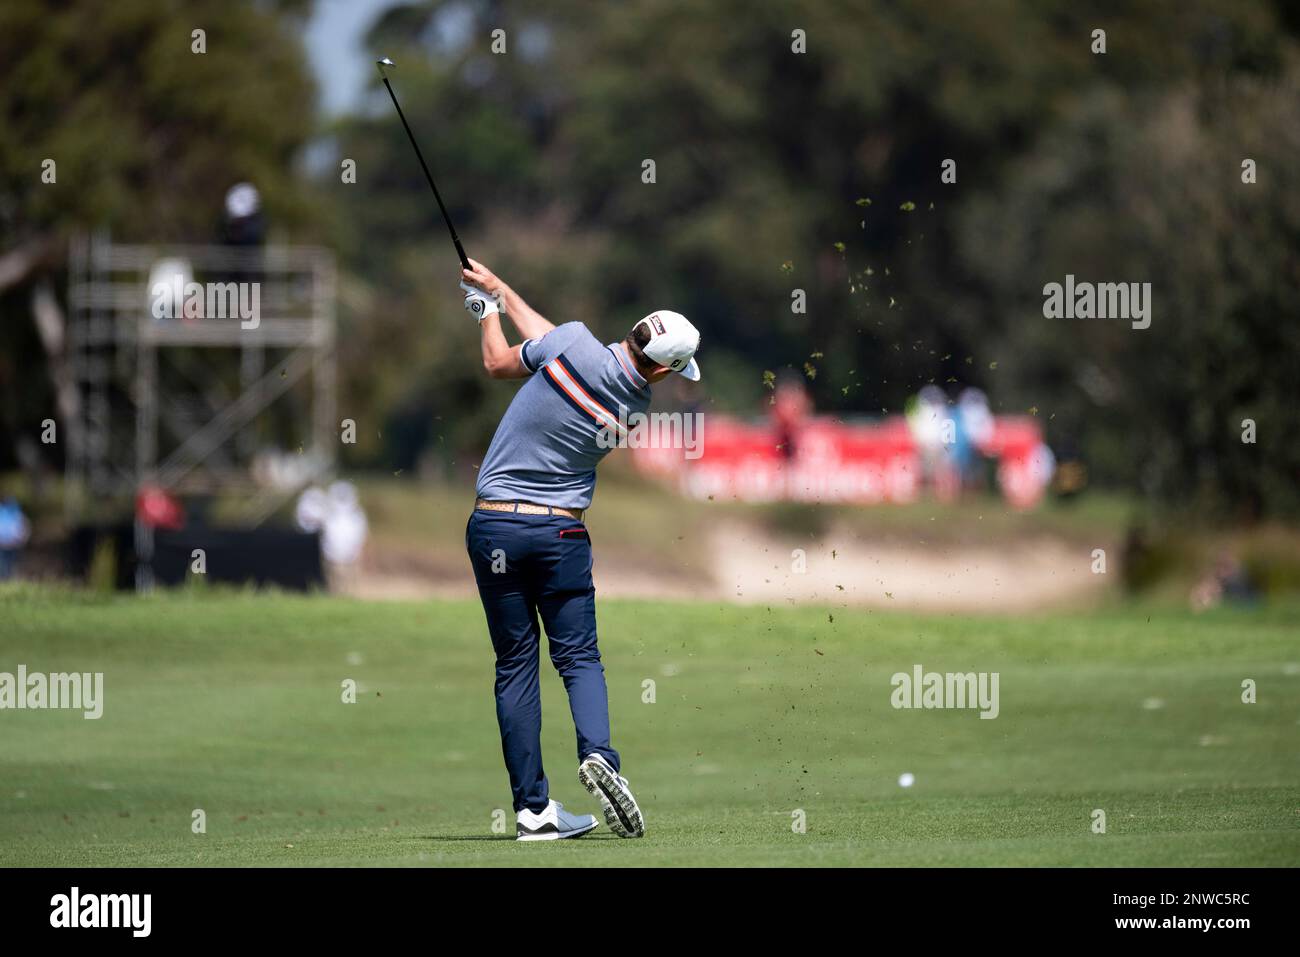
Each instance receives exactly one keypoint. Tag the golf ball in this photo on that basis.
(906, 779)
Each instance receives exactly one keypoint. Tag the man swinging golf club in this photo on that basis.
(526, 538)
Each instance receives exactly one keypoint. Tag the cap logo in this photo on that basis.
(657, 323)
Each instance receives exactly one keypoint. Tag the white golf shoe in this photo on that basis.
(552, 824)
(616, 800)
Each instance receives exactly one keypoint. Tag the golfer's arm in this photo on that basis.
(530, 323)
(500, 359)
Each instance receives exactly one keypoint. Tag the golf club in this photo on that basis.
(460, 250)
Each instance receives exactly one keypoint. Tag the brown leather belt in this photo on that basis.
(529, 508)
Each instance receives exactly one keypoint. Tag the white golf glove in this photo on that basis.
(478, 303)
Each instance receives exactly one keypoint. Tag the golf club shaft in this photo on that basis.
(460, 250)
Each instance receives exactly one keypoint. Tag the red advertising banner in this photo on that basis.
(823, 459)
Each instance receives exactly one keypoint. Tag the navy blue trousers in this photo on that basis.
(528, 566)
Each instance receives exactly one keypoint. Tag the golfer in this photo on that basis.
(526, 538)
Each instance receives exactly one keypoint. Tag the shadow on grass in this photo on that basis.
(467, 837)
(507, 837)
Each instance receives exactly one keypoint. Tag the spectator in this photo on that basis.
(338, 517)
(1228, 582)
(934, 430)
(243, 224)
(14, 533)
(791, 406)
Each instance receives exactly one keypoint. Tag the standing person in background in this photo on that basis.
(14, 533)
(790, 407)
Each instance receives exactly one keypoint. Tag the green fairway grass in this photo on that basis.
(231, 703)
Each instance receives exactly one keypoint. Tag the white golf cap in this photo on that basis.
(673, 341)
(242, 200)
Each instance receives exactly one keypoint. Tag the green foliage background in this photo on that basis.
(1117, 167)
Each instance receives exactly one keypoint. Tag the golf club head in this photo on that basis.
(385, 64)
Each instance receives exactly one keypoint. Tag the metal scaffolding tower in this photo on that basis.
(197, 404)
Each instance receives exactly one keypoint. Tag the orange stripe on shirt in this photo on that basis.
(570, 388)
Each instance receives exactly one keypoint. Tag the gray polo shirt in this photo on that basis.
(546, 448)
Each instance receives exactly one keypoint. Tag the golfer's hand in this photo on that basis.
(479, 275)
(478, 303)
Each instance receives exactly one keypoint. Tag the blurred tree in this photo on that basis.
(146, 136)
(777, 170)
(1150, 189)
